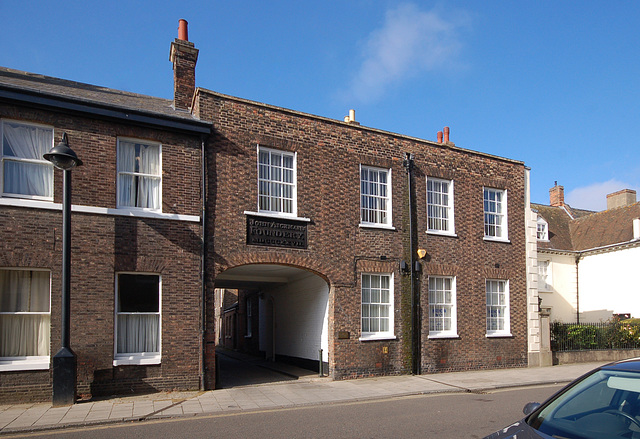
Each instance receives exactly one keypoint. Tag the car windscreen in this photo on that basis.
(605, 404)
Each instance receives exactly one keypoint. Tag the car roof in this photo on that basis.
(631, 365)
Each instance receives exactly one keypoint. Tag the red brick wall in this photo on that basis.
(328, 157)
(103, 245)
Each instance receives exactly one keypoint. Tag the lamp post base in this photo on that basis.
(64, 378)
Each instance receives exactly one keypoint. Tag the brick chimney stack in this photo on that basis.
(556, 195)
(184, 57)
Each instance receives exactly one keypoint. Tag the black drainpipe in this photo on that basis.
(577, 290)
(415, 321)
(203, 269)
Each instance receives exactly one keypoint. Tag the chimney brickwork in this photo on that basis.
(184, 57)
(556, 196)
(625, 197)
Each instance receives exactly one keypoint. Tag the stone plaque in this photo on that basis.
(276, 232)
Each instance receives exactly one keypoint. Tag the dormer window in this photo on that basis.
(542, 230)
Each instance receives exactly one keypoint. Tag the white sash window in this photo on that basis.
(25, 173)
(25, 319)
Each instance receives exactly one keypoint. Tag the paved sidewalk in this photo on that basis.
(305, 391)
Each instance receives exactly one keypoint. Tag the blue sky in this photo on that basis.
(553, 84)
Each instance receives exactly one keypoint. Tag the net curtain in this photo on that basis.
(24, 176)
(24, 313)
(139, 175)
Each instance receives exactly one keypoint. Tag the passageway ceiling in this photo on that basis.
(259, 276)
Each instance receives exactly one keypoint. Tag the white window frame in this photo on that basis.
(377, 335)
(35, 362)
(542, 229)
(447, 209)
(39, 162)
(544, 275)
(496, 303)
(267, 182)
(384, 217)
(137, 358)
(120, 173)
(436, 305)
(498, 212)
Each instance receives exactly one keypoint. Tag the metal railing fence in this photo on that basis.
(595, 336)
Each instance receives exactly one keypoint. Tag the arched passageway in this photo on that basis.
(271, 312)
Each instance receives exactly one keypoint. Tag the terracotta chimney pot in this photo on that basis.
(183, 30)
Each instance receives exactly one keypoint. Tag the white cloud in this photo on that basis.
(410, 42)
(594, 196)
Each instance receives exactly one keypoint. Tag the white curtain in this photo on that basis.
(139, 175)
(23, 335)
(138, 333)
(126, 167)
(27, 142)
(149, 188)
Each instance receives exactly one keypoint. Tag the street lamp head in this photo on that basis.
(62, 156)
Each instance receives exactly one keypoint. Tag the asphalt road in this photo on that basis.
(462, 415)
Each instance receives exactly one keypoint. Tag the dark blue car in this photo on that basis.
(603, 404)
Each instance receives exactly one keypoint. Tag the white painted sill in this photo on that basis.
(440, 233)
(500, 335)
(493, 239)
(376, 226)
(136, 359)
(8, 364)
(135, 213)
(377, 337)
(443, 336)
(278, 216)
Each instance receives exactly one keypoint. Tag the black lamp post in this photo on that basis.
(64, 362)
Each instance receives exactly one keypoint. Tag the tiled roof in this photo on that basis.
(86, 95)
(604, 228)
(558, 221)
(585, 229)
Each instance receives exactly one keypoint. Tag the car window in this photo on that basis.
(587, 399)
(605, 404)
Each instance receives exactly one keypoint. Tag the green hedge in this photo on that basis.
(613, 334)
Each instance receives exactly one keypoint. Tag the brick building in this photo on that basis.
(349, 196)
(136, 238)
(390, 254)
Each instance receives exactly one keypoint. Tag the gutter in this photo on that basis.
(104, 111)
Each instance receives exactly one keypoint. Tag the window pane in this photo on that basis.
(27, 178)
(25, 170)
(497, 302)
(376, 303)
(375, 197)
(441, 304)
(26, 141)
(24, 291)
(494, 216)
(138, 318)
(139, 175)
(138, 293)
(438, 205)
(138, 333)
(276, 181)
